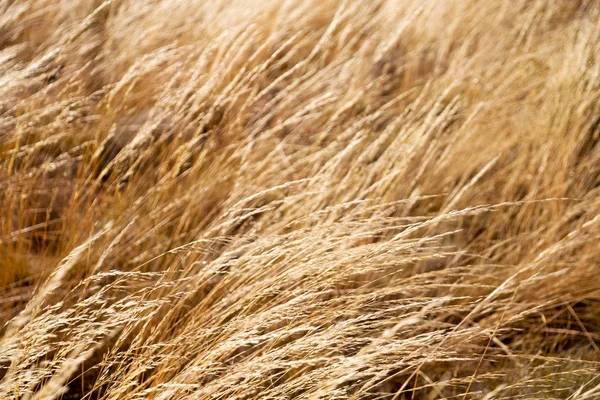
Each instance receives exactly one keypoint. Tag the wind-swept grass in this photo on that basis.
(299, 199)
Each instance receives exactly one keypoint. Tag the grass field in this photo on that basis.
(308, 199)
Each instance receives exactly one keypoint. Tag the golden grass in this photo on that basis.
(244, 199)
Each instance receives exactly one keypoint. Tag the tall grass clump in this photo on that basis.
(316, 199)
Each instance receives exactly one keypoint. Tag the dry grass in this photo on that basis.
(243, 199)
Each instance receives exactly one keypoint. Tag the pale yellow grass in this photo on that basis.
(314, 199)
